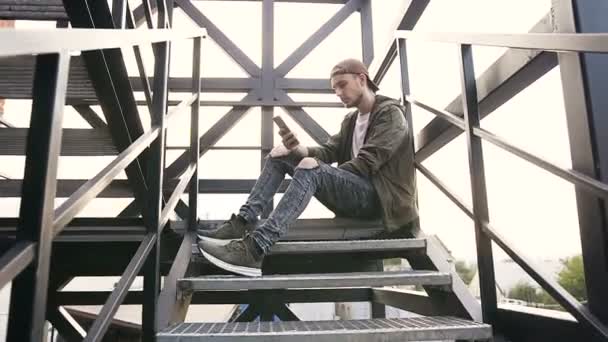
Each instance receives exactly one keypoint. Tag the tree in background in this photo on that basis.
(526, 292)
(572, 277)
(465, 271)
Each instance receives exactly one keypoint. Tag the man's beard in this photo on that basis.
(355, 103)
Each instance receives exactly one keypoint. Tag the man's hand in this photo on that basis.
(290, 144)
(289, 139)
(279, 151)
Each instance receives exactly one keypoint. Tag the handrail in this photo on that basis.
(16, 260)
(571, 304)
(53, 48)
(592, 185)
(177, 193)
(119, 293)
(17, 42)
(558, 42)
(90, 189)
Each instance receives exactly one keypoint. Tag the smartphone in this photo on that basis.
(282, 125)
(279, 121)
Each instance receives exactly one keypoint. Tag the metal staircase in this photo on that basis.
(298, 270)
(380, 329)
(319, 260)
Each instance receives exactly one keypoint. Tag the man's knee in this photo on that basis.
(308, 163)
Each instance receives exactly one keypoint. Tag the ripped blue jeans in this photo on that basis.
(344, 193)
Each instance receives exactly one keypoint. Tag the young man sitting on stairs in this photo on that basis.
(374, 178)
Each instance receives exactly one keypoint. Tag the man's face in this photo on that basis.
(349, 88)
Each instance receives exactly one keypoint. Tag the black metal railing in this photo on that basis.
(470, 125)
(27, 262)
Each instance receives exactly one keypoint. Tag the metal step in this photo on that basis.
(307, 281)
(356, 246)
(18, 72)
(32, 10)
(385, 330)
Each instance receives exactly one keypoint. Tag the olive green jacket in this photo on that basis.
(386, 159)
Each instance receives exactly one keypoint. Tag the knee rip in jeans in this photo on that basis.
(308, 163)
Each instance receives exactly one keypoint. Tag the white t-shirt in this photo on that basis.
(359, 132)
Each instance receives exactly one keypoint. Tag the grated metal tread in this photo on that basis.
(384, 329)
(307, 281)
(345, 246)
(18, 72)
(309, 247)
(32, 10)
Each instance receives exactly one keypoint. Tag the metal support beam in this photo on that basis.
(129, 211)
(143, 76)
(172, 305)
(119, 12)
(249, 315)
(214, 134)
(584, 84)
(119, 188)
(29, 289)
(299, 115)
(316, 38)
(212, 84)
(101, 324)
(227, 297)
(144, 12)
(284, 313)
(367, 32)
(412, 13)
(194, 135)
(66, 325)
(109, 77)
(90, 116)
(513, 72)
(155, 178)
(268, 86)
(408, 301)
(485, 260)
(219, 37)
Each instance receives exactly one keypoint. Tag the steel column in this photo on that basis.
(485, 260)
(173, 304)
(367, 32)
(29, 290)
(267, 137)
(405, 86)
(119, 11)
(194, 134)
(155, 178)
(584, 82)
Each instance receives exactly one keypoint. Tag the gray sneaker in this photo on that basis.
(237, 257)
(233, 229)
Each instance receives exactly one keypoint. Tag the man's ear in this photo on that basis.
(362, 79)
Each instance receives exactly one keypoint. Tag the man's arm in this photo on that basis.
(385, 137)
(327, 152)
